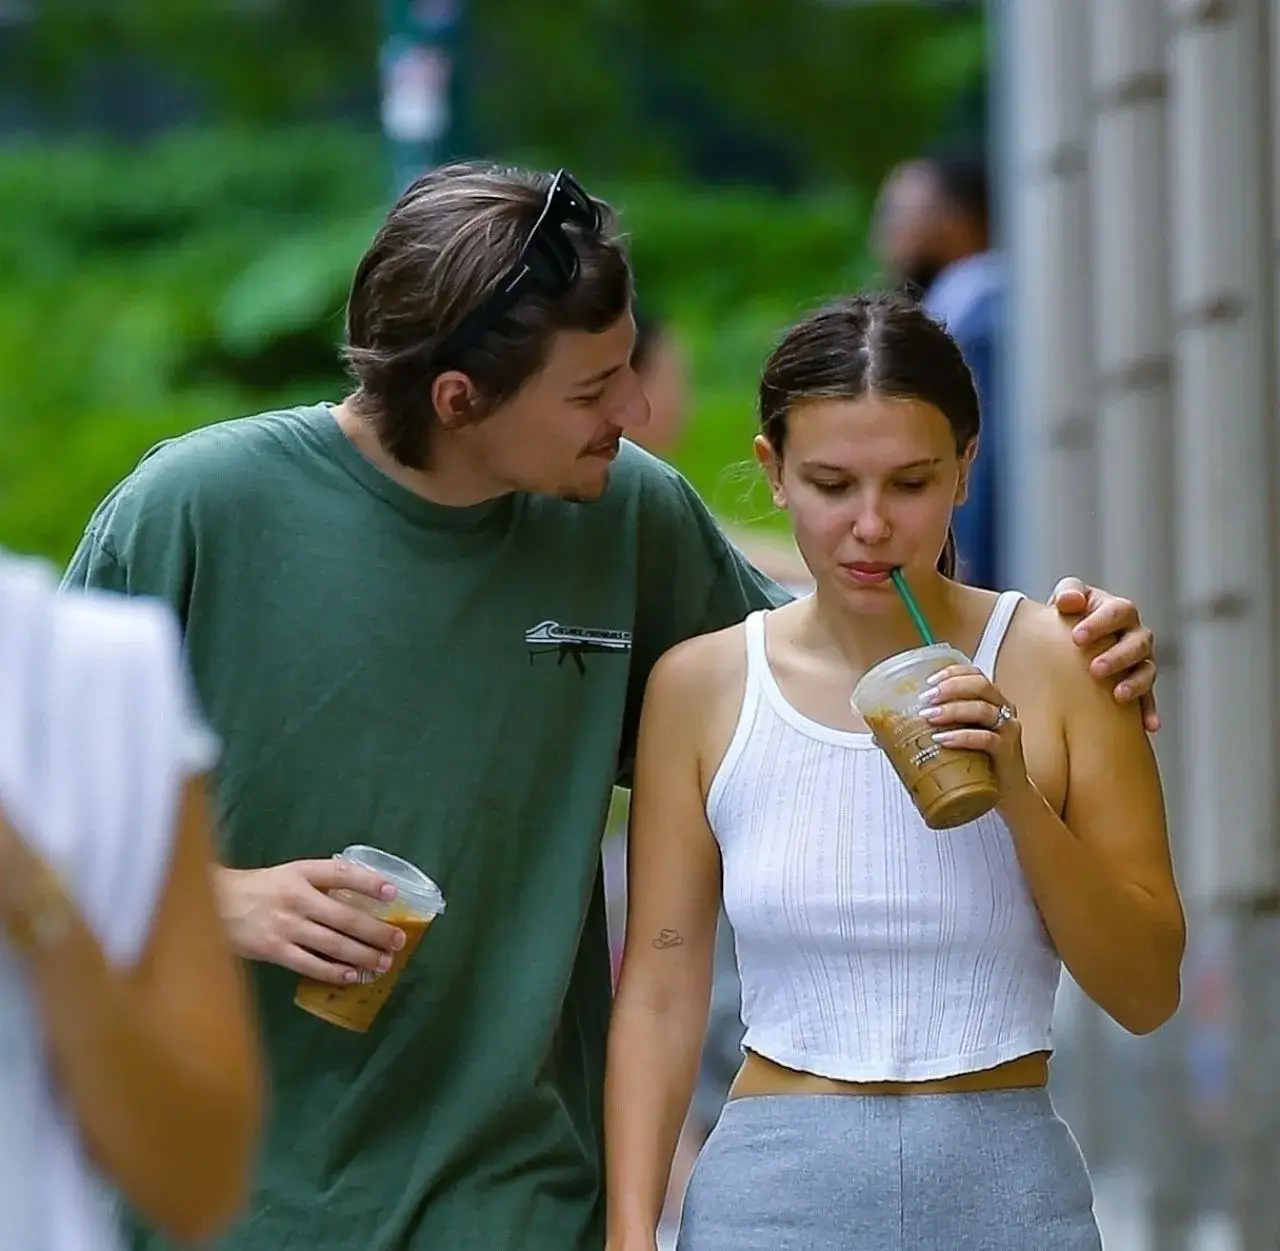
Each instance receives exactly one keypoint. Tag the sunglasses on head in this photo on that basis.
(548, 262)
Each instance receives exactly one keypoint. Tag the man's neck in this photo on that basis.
(452, 479)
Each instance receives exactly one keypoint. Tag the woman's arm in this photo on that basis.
(1101, 873)
(664, 989)
(157, 1062)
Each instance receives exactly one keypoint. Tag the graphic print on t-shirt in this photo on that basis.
(574, 642)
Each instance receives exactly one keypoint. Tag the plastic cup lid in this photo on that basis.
(904, 662)
(412, 885)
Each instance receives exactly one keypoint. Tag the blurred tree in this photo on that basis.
(799, 86)
(776, 91)
(240, 61)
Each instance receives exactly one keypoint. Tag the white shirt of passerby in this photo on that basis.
(97, 735)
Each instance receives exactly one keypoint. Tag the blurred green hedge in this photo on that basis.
(149, 291)
(787, 91)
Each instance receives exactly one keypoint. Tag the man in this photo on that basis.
(933, 233)
(423, 619)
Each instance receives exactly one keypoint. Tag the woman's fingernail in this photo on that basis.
(384, 963)
(388, 891)
(933, 696)
(1124, 691)
(934, 678)
(350, 976)
(932, 714)
(398, 940)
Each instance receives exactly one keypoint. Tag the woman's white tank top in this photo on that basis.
(870, 947)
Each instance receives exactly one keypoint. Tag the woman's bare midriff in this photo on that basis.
(759, 1076)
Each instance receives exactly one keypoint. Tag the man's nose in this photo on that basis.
(634, 409)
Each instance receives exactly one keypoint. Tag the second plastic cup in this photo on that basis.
(950, 786)
(417, 903)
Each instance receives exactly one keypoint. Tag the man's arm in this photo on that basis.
(94, 566)
(143, 540)
(139, 542)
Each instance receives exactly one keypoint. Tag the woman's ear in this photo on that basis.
(966, 468)
(771, 463)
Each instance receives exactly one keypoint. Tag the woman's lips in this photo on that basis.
(868, 573)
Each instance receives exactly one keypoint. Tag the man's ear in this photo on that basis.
(455, 399)
(771, 463)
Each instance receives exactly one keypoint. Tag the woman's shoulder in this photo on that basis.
(1040, 643)
(702, 665)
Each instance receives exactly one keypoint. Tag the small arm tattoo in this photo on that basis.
(667, 939)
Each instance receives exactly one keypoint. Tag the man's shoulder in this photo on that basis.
(242, 446)
(637, 472)
(223, 464)
(656, 494)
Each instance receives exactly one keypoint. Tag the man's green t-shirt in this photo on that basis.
(461, 687)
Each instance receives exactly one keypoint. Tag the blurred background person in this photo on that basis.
(661, 362)
(127, 1060)
(932, 233)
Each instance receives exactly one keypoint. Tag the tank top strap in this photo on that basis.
(754, 696)
(996, 628)
(757, 655)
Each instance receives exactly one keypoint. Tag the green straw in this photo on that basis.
(904, 592)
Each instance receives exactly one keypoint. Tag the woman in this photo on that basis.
(126, 1054)
(898, 983)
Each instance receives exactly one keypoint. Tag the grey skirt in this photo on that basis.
(993, 1171)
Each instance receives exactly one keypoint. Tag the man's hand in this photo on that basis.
(286, 916)
(1131, 657)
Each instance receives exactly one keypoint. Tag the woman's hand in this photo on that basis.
(968, 711)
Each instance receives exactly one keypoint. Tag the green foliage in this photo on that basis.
(255, 61)
(150, 291)
(800, 90)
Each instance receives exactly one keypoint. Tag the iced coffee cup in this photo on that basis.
(949, 785)
(417, 903)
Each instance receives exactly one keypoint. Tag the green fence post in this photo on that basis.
(420, 84)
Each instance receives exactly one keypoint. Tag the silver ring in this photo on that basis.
(1004, 714)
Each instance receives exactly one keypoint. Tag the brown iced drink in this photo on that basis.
(950, 786)
(356, 1006)
(418, 901)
